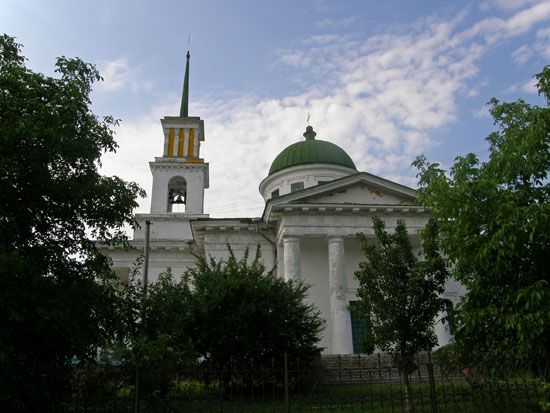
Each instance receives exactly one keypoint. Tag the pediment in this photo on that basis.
(357, 189)
(359, 193)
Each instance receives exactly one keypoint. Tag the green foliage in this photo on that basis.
(399, 295)
(195, 390)
(544, 401)
(494, 218)
(153, 334)
(57, 298)
(242, 316)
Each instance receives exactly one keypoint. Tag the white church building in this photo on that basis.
(316, 201)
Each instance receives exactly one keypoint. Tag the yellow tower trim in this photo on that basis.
(171, 136)
(180, 142)
(191, 147)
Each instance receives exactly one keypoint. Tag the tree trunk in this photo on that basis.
(408, 393)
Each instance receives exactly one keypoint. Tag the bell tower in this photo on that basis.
(180, 175)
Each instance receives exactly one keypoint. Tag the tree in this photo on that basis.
(242, 316)
(495, 224)
(152, 336)
(57, 298)
(400, 295)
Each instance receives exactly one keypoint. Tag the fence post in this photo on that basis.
(136, 391)
(287, 397)
(430, 366)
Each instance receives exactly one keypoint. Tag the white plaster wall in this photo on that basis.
(122, 258)
(160, 258)
(314, 253)
(194, 175)
(177, 260)
(310, 175)
(167, 226)
(346, 224)
(453, 291)
(315, 271)
(215, 246)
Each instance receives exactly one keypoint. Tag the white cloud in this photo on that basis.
(381, 99)
(507, 5)
(522, 54)
(294, 59)
(118, 74)
(542, 45)
(524, 87)
(494, 29)
(335, 23)
(137, 140)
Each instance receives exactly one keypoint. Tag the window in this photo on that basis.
(358, 330)
(177, 194)
(322, 182)
(275, 194)
(296, 186)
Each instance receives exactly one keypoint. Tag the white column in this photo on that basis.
(185, 142)
(339, 313)
(442, 331)
(293, 262)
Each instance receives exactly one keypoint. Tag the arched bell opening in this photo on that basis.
(177, 194)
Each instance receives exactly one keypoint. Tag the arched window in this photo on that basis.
(177, 194)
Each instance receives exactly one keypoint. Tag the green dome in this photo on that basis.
(311, 151)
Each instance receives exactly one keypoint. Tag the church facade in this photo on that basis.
(316, 201)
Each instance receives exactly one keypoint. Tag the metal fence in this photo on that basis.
(335, 384)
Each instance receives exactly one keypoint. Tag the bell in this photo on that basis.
(178, 199)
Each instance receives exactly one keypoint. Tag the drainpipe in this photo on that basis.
(274, 245)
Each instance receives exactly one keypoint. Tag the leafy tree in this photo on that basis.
(242, 316)
(400, 295)
(495, 224)
(152, 337)
(57, 299)
(154, 324)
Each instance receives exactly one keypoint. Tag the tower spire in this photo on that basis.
(184, 110)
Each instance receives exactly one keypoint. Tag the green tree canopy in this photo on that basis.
(153, 330)
(495, 224)
(240, 314)
(400, 294)
(56, 300)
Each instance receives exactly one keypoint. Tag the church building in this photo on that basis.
(316, 201)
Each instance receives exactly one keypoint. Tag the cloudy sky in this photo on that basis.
(385, 80)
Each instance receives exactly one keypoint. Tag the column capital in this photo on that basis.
(335, 238)
(290, 238)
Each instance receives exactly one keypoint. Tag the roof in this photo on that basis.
(311, 151)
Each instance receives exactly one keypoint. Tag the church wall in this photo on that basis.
(215, 246)
(314, 254)
(160, 258)
(177, 259)
(194, 177)
(309, 175)
(170, 226)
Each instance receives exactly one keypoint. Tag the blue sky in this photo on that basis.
(385, 80)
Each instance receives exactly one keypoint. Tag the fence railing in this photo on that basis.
(335, 384)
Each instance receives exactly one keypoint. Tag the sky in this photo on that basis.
(385, 80)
